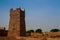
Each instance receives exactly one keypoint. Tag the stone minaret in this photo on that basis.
(17, 23)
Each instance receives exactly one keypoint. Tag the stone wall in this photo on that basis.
(27, 38)
(52, 34)
(53, 38)
(36, 35)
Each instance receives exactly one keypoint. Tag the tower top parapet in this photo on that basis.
(22, 9)
(18, 8)
(11, 9)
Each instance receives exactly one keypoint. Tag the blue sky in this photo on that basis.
(43, 14)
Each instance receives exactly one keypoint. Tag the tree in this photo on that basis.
(54, 30)
(38, 31)
(29, 31)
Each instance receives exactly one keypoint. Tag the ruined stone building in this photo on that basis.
(17, 23)
(3, 32)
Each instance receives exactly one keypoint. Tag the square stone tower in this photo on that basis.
(17, 23)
